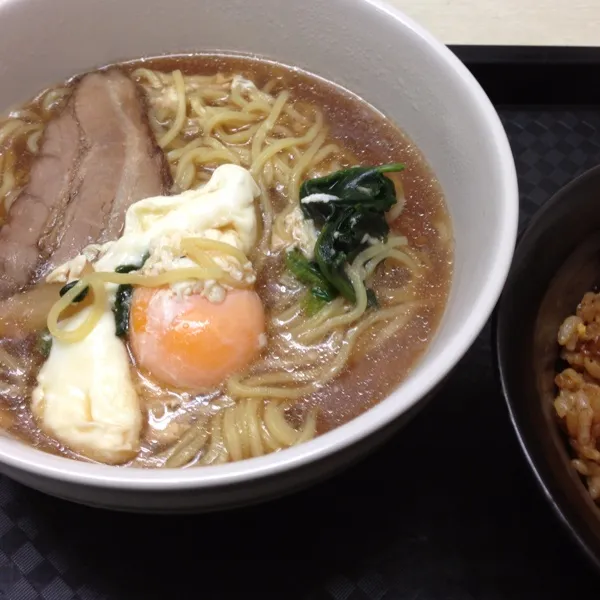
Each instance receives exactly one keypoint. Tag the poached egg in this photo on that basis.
(190, 335)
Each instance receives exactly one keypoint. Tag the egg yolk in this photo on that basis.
(192, 343)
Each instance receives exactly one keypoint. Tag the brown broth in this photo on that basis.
(373, 139)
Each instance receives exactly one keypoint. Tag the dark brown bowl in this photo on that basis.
(556, 261)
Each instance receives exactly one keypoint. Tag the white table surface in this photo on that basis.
(512, 22)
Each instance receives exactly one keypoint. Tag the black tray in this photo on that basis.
(448, 510)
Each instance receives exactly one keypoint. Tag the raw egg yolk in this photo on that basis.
(192, 343)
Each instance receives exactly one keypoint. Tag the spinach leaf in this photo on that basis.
(81, 296)
(364, 186)
(312, 304)
(133, 267)
(307, 272)
(349, 206)
(126, 268)
(121, 309)
(123, 298)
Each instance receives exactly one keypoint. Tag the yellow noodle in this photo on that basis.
(372, 252)
(270, 444)
(267, 213)
(208, 156)
(332, 309)
(272, 177)
(375, 249)
(184, 179)
(244, 415)
(197, 105)
(10, 198)
(204, 156)
(9, 128)
(301, 361)
(269, 86)
(344, 319)
(237, 98)
(287, 143)
(251, 428)
(297, 116)
(205, 244)
(8, 182)
(181, 105)
(29, 128)
(279, 228)
(282, 131)
(326, 152)
(239, 136)
(419, 257)
(190, 443)
(94, 312)
(253, 425)
(259, 106)
(278, 426)
(202, 259)
(403, 258)
(383, 314)
(309, 430)
(281, 167)
(288, 316)
(216, 452)
(259, 137)
(238, 389)
(285, 377)
(215, 96)
(151, 77)
(33, 141)
(25, 114)
(231, 435)
(304, 162)
(176, 154)
(230, 117)
(396, 256)
(397, 209)
(54, 98)
(398, 319)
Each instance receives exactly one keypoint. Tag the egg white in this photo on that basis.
(85, 396)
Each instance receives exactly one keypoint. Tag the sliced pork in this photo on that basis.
(96, 159)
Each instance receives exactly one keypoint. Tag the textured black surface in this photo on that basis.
(447, 511)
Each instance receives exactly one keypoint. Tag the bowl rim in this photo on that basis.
(560, 506)
(20, 457)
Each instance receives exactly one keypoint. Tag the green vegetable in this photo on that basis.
(121, 309)
(123, 297)
(81, 296)
(126, 268)
(364, 188)
(44, 343)
(308, 273)
(133, 267)
(312, 304)
(351, 213)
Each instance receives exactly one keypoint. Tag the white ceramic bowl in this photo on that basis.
(377, 53)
